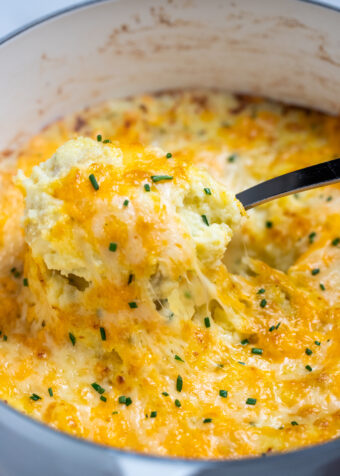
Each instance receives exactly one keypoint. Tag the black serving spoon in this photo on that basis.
(318, 175)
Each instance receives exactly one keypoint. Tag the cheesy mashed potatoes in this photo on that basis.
(142, 308)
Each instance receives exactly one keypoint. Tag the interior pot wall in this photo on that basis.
(287, 50)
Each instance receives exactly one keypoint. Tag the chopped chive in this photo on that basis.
(106, 141)
(147, 187)
(153, 414)
(251, 401)
(115, 413)
(94, 182)
(257, 351)
(263, 303)
(102, 398)
(35, 397)
(223, 393)
(316, 342)
(122, 399)
(25, 282)
(128, 401)
(207, 322)
(130, 279)
(102, 333)
(232, 158)
(336, 241)
(168, 155)
(207, 420)
(113, 246)
(72, 338)
(271, 328)
(159, 178)
(261, 291)
(315, 271)
(205, 220)
(177, 403)
(5, 338)
(133, 305)
(308, 351)
(241, 363)
(269, 224)
(294, 423)
(165, 394)
(97, 388)
(328, 199)
(244, 342)
(179, 383)
(99, 137)
(177, 357)
(50, 392)
(311, 237)
(278, 325)
(322, 287)
(309, 368)
(126, 203)
(207, 191)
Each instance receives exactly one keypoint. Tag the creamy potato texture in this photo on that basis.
(141, 307)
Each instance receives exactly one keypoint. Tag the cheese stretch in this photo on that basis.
(142, 308)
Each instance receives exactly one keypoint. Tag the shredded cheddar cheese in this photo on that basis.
(142, 309)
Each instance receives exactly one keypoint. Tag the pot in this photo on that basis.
(288, 51)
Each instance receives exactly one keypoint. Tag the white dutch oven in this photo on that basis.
(288, 50)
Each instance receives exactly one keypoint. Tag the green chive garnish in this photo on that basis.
(316, 342)
(97, 388)
(35, 397)
(223, 393)
(147, 187)
(207, 322)
(177, 403)
(102, 333)
(128, 401)
(263, 303)
(336, 241)
(251, 401)
(115, 413)
(94, 182)
(168, 155)
(232, 158)
(311, 237)
(102, 398)
(50, 392)
(165, 394)
(179, 383)
(122, 399)
(205, 220)
(106, 141)
(113, 246)
(133, 305)
(271, 328)
(25, 282)
(5, 338)
(308, 351)
(130, 279)
(72, 338)
(309, 368)
(294, 423)
(153, 414)
(159, 178)
(269, 224)
(207, 420)
(177, 357)
(126, 203)
(315, 271)
(257, 351)
(322, 287)
(99, 137)
(278, 325)
(261, 291)
(244, 342)
(241, 363)
(207, 191)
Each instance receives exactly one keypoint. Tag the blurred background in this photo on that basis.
(16, 13)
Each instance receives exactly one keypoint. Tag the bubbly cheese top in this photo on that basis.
(140, 307)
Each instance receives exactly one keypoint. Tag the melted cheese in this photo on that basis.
(277, 288)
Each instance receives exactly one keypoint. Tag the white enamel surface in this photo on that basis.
(288, 50)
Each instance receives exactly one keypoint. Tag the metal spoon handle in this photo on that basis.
(318, 175)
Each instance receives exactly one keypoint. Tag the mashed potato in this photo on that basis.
(149, 313)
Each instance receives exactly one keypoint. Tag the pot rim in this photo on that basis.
(249, 461)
